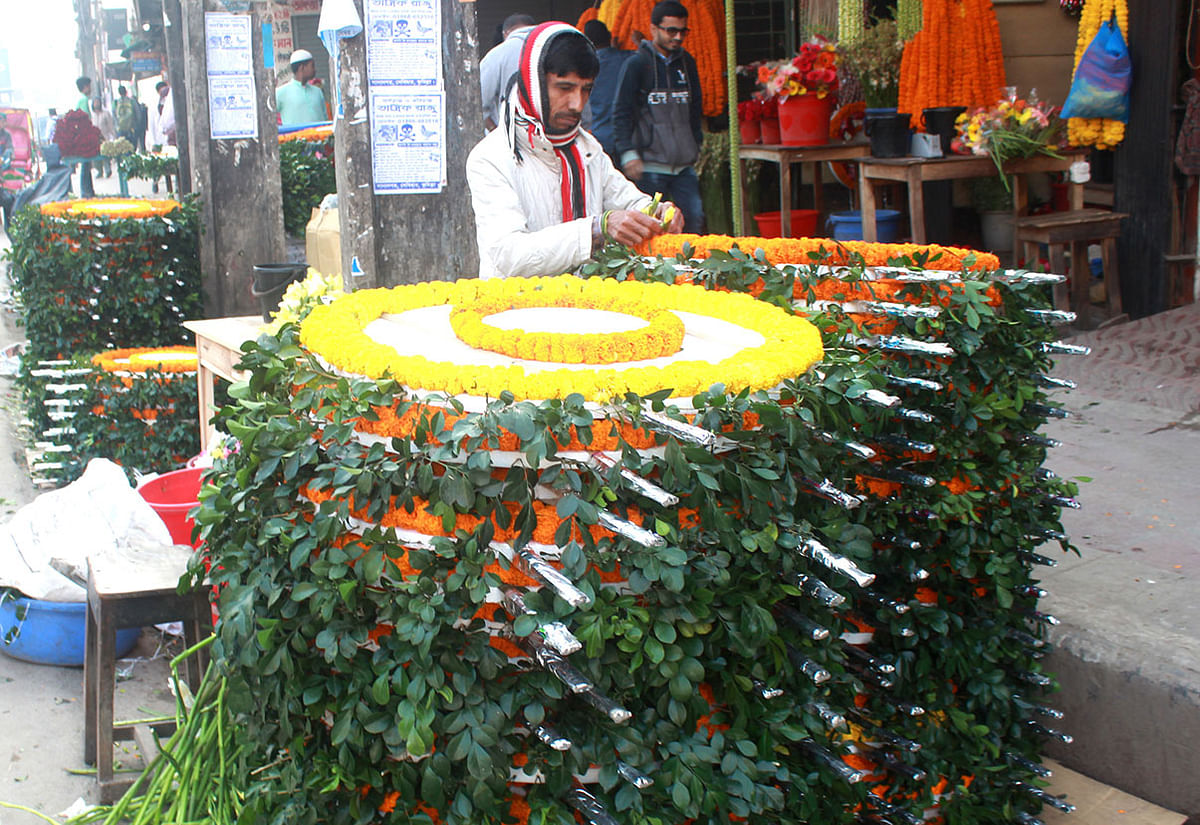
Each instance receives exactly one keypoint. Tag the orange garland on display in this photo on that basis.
(590, 13)
(142, 359)
(109, 208)
(955, 60)
(839, 253)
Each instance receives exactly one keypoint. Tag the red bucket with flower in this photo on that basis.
(769, 123)
(750, 120)
(805, 88)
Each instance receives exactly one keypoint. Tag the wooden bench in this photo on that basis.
(133, 590)
(1076, 230)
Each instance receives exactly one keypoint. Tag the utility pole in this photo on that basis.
(403, 239)
(88, 41)
(237, 179)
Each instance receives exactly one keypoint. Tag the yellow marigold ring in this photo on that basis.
(109, 208)
(404, 333)
(661, 336)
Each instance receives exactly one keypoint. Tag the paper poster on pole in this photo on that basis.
(404, 43)
(232, 96)
(408, 142)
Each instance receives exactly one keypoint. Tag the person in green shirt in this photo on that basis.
(299, 101)
(84, 85)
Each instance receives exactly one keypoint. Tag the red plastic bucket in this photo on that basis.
(804, 120)
(804, 223)
(172, 495)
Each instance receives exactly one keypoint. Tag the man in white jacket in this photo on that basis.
(546, 195)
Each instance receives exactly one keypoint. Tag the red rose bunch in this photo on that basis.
(750, 111)
(812, 71)
(76, 136)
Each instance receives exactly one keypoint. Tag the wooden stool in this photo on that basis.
(136, 589)
(1076, 229)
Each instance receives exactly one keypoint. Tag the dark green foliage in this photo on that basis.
(149, 167)
(307, 174)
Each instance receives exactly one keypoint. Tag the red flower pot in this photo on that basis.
(804, 120)
(769, 129)
(751, 131)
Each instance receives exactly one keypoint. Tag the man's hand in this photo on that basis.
(630, 227)
(673, 226)
(633, 169)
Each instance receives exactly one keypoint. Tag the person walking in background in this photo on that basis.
(300, 101)
(141, 124)
(658, 112)
(84, 104)
(102, 119)
(125, 115)
(499, 65)
(597, 119)
(162, 123)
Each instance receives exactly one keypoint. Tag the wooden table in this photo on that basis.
(218, 348)
(915, 171)
(785, 156)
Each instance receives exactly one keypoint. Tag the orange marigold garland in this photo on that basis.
(176, 359)
(109, 208)
(1103, 133)
(836, 253)
(590, 13)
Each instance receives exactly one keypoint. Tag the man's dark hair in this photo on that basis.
(515, 21)
(667, 8)
(122, 91)
(83, 82)
(159, 85)
(598, 33)
(571, 52)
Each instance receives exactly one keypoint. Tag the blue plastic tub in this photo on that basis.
(51, 633)
(847, 226)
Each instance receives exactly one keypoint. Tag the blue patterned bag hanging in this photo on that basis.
(1103, 78)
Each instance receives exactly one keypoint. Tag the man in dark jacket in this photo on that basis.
(657, 114)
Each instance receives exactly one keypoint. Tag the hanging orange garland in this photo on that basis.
(955, 60)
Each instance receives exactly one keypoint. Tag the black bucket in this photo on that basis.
(890, 135)
(271, 281)
(939, 121)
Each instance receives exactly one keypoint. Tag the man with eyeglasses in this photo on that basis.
(657, 114)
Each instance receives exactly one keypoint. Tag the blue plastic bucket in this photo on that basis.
(51, 633)
(847, 226)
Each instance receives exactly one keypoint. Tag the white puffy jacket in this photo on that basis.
(518, 206)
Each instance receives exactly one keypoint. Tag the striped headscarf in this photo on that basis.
(527, 108)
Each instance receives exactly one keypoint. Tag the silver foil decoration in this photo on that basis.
(1053, 316)
(1039, 679)
(915, 383)
(1063, 348)
(1024, 638)
(875, 731)
(1042, 730)
(809, 668)
(826, 490)
(1031, 590)
(1038, 616)
(828, 716)
(813, 549)
(879, 665)
(909, 414)
(1019, 276)
(901, 476)
(902, 443)
(814, 588)
(1047, 411)
(1041, 710)
(1062, 501)
(853, 447)
(615, 713)
(1036, 558)
(1049, 534)
(879, 398)
(1025, 818)
(679, 429)
(551, 738)
(628, 530)
(589, 807)
(1050, 799)
(896, 343)
(633, 776)
(899, 766)
(555, 634)
(918, 574)
(557, 665)
(643, 487)
(833, 763)
(908, 709)
(534, 566)
(1050, 382)
(1039, 440)
(766, 691)
(890, 605)
(1034, 768)
(807, 627)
